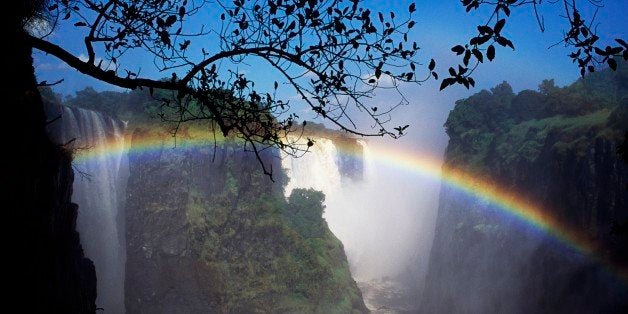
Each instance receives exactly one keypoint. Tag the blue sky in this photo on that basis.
(440, 25)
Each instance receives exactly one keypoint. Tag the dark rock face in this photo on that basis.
(350, 164)
(351, 167)
(45, 268)
(485, 261)
(74, 274)
(205, 234)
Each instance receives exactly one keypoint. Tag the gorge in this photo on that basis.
(181, 225)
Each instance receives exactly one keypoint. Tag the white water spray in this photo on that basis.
(99, 185)
(385, 220)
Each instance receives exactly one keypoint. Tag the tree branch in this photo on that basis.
(108, 76)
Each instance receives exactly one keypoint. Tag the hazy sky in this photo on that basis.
(440, 25)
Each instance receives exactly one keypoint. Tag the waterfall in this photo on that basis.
(101, 172)
(317, 169)
(379, 219)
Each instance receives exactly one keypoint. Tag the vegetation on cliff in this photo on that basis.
(492, 130)
(233, 240)
(208, 231)
(550, 143)
(556, 148)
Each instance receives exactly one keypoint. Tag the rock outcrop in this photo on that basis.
(208, 232)
(556, 148)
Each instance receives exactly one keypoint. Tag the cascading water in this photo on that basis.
(317, 169)
(385, 221)
(101, 173)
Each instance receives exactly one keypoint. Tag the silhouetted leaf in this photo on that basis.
(480, 40)
(446, 82)
(506, 10)
(467, 57)
(612, 63)
(478, 55)
(458, 49)
(461, 70)
(432, 65)
(483, 29)
(184, 45)
(170, 20)
(490, 53)
(499, 26)
(504, 42)
(614, 51)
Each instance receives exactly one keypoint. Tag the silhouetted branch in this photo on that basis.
(45, 83)
(581, 36)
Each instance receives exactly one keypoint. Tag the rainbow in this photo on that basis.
(524, 210)
(142, 143)
(506, 201)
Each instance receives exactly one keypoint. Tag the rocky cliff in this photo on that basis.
(208, 232)
(557, 148)
(44, 266)
(48, 270)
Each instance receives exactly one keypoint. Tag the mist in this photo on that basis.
(385, 220)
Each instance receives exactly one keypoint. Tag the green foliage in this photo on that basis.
(619, 116)
(272, 254)
(529, 104)
(136, 106)
(498, 129)
(304, 213)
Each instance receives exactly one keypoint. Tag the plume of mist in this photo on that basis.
(385, 220)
